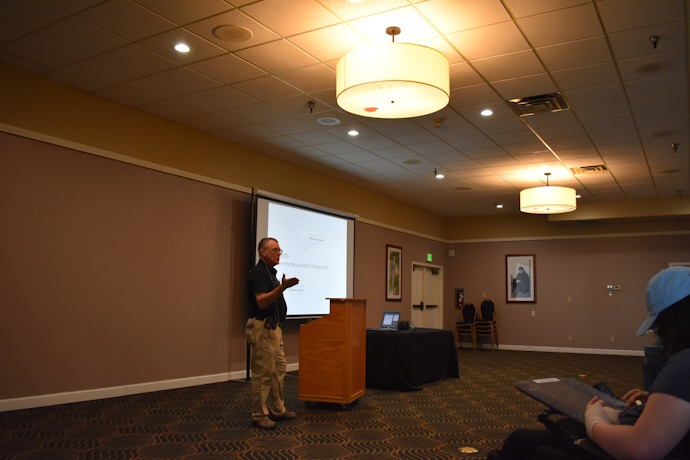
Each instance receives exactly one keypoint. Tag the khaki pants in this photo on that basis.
(268, 368)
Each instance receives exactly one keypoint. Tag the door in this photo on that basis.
(427, 296)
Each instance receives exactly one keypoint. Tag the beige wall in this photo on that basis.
(36, 104)
(110, 278)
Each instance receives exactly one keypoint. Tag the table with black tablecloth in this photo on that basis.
(406, 360)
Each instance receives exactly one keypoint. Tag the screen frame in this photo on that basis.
(261, 201)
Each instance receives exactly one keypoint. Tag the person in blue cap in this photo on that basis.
(656, 424)
(662, 430)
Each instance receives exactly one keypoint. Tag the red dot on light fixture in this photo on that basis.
(371, 109)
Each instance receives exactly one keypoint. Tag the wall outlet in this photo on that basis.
(534, 313)
(570, 299)
(613, 339)
(484, 295)
(570, 336)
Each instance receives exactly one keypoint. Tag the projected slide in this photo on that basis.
(317, 249)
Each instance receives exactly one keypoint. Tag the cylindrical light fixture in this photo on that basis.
(393, 80)
(548, 199)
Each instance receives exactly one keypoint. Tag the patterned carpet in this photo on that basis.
(213, 422)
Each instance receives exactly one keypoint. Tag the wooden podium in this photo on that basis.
(333, 353)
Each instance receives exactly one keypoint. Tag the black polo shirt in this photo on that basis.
(262, 279)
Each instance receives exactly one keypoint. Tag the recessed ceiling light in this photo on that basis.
(499, 206)
(438, 174)
(328, 121)
(353, 132)
(413, 161)
(487, 112)
(463, 188)
(182, 48)
(578, 196)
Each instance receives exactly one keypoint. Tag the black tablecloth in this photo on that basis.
(406, 360)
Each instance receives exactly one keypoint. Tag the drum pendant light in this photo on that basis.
(548, 199)
(393, 80)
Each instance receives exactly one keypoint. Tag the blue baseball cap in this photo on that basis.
(667, 287)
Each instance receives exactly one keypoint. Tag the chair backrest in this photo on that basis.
(469, 313)
(488, 310)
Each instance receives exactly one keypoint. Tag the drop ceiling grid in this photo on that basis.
(257, 92)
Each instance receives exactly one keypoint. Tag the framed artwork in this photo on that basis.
(459, 298)
(393, 275)
(521, 278)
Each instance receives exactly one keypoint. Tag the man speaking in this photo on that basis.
(267, 311)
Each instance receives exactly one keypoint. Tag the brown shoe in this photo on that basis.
(265, 424)
(287, 415)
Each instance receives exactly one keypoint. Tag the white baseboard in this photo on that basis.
(583, 351)
(148, 387)
(124, 390)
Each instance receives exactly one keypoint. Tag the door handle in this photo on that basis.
(431, 306)
(420, 306)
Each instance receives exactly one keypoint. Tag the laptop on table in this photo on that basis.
(389, 321)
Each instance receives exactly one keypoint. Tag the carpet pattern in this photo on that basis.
(477, 410)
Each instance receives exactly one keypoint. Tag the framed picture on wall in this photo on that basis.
(521, 278)
(393, 274)
(459, 298)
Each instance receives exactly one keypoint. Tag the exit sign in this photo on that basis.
(428, 257)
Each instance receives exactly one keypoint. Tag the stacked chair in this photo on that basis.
(466, 326)
(485, 324)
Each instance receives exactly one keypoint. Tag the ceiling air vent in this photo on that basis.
(588, 170)
(545, 103)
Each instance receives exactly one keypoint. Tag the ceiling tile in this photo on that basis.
(228, 69)
(182, 107)
(514, 65)
(72, 6)
(265, 88)
(137, 60)
(79, 35)
(138, 92)
(633, 14)
(235, 39)
(97, 73)
(291, 18)
(522, 8)
(29, 15)
(224, 97)
(43, 51)
(184, 80)
(637, 42)
(276, 57)
(453, 16)
(311, 78)
(575, 54)
(329, 43)
(126, 19)
(185, 11)
(587, 76)
(547, 28)
(164, 43)
(413, 26)
(530, 85)
(481, 42)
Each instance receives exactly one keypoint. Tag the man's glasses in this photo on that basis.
(276, 250)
